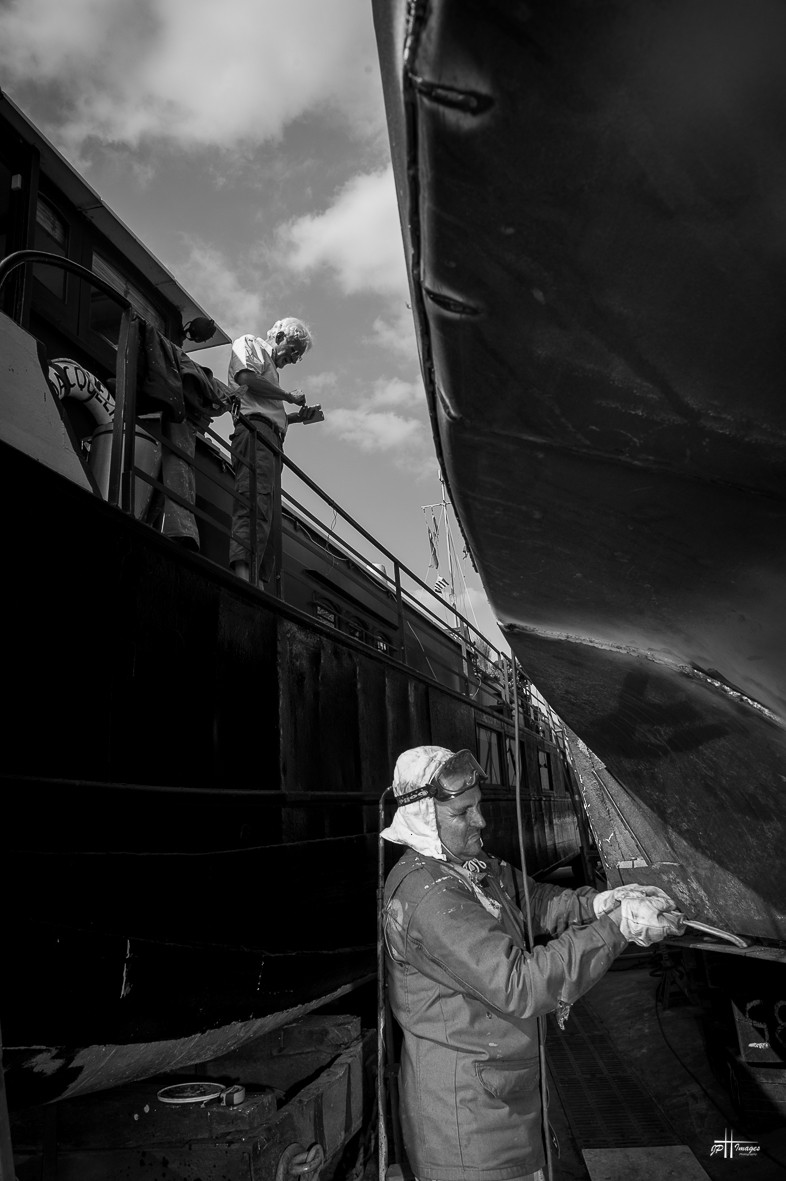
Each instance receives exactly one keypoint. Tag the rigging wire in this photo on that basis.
(423, 650)
(329, 538)
(465, 595)
(528, 912)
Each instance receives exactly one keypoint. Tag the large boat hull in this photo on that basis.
(591, 206)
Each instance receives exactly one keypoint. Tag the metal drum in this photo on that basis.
(147, 457)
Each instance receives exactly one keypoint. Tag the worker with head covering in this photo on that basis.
(467, 985)
(261, 423)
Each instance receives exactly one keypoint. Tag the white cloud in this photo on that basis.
(211, 279)
(317, 383)
(396, 331)
(192, 71)
(374, 430)
(356, 237)
(404, 440)
(393, 391)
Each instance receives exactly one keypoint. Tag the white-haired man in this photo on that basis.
(466, 986)
(253, 380)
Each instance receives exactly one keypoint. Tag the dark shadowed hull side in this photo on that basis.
(190, 791)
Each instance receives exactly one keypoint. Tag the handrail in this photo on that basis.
(324, 496)
(336, 507)
(21, 257)
(487, 653)
(369, 567)
(370, 537)
(397, 590)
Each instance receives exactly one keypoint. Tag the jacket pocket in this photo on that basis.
(508, 1080)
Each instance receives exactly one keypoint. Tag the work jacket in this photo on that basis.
(467, 995)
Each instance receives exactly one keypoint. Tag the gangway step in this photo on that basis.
(672, 1162)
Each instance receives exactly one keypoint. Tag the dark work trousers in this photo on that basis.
(179, 476)
(267, 465)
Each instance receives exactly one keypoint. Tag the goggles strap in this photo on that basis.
(409, 797)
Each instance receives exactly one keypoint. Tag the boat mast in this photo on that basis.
(448, 546)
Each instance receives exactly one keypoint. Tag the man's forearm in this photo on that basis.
(263, 387)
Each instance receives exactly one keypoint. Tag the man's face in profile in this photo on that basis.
(287, 350)
(460, 823)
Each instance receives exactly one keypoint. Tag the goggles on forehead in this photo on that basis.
(457, 774)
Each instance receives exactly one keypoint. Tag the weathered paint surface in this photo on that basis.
(100, 1067)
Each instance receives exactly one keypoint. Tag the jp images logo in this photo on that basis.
(731, 1146)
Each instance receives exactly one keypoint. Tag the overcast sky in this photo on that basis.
(244, 142)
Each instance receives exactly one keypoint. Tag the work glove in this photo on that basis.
(608, 899)
(646, 919)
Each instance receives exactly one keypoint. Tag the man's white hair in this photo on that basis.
(293, 329)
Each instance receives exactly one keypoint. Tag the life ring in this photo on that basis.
(72, 380)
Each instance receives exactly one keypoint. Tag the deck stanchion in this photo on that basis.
(128, 349)
(402, 640)
(253, 559)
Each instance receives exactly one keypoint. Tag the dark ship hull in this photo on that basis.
(164, 897)
(191, 777)
(591, 201)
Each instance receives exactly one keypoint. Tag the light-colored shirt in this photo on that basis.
(254, 353)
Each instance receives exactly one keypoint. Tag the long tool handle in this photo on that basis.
(706, 929)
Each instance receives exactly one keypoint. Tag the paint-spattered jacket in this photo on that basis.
(467, 995)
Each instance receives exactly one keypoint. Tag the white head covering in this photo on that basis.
(415, 824)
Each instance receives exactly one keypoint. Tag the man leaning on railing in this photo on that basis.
(253, 380)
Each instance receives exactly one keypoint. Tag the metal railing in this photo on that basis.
(480, 664)
(411, 596)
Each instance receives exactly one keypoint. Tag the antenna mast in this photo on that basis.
(448, 546)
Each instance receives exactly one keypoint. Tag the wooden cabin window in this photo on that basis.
(490, 752)
(355, 628)
(51, 234)
(510, 763)
(544, 768)
(105, 314)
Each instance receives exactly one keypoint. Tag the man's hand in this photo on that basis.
(307, 414)
(608, 899)
(647, 920)
(296, 398)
